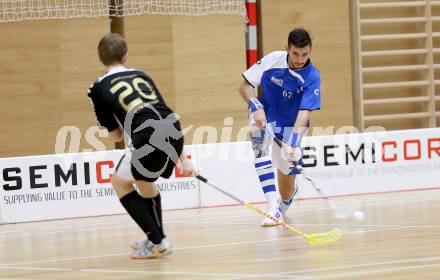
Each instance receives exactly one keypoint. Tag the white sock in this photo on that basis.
(266, 175)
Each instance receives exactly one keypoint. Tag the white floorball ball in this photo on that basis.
(359, 216)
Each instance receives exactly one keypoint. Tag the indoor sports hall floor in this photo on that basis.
(399, 239)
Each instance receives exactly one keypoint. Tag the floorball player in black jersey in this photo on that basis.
(128, 104)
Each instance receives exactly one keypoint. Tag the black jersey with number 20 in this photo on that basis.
(122, 90)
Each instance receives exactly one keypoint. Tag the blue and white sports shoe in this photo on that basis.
(273, 211)
(285, 205)
(138, 244)
(147, 250)
(144, 252)
(163, 248)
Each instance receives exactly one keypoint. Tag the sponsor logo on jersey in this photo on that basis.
(316, 91)
(276, 81)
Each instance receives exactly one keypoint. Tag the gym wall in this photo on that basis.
(47, 67)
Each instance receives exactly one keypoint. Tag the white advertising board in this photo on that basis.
(75, 185)
(373, 162)
(78, 185)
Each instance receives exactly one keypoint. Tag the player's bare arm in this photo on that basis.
(301, 122)
(293, 152)
(186, 166)
(116, 135)
(246, 91)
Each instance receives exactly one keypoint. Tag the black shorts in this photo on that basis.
(154, 152)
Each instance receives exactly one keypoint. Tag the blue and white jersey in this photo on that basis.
(285, 91)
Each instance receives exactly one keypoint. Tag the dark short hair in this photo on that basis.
(111, 49)
(299, 37)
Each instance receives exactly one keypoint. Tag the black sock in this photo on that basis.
(155, 207)
(141, 214)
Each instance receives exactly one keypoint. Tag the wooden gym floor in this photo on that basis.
(399, 239)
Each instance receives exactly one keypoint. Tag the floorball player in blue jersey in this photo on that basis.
(290, 86)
